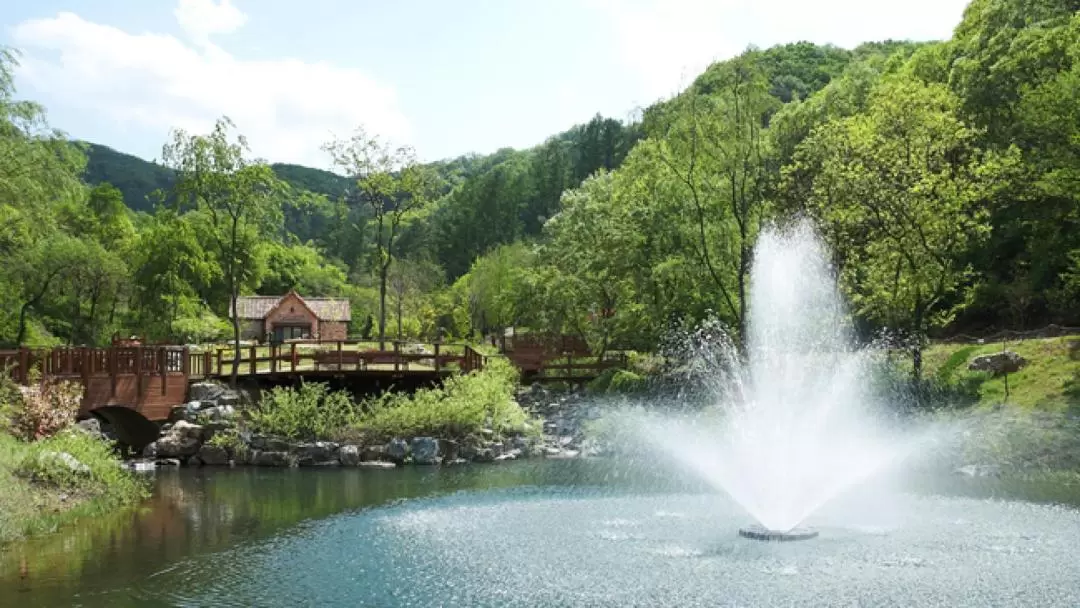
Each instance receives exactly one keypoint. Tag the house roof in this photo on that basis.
(326, 309)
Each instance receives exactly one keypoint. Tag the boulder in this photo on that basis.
(62, 460)
(450, 449)
(213, 455)
(271, 459)
(374, 452)
(425, 450)
(218, 413)
(397, 450)
(1005, 362)
(173, 446)
(316, 453)
(510, 455)
(349, 455)
(264, 443)
(181, 441)
(140, 466)
(186, 430)
(376, 464)
(90, 426)
(205, 391)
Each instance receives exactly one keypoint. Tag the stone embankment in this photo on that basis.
(192, 439)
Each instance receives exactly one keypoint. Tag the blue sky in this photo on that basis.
(446, 77)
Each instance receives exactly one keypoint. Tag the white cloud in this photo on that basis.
(287, 108)
(669, 42)
(200, 18)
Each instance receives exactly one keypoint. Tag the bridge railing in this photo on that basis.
(343, 355)
(83, 363)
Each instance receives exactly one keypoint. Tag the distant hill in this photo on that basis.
(133, 176)
(137, 179)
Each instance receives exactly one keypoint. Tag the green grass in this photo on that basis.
(1051, 379)
(38, 496)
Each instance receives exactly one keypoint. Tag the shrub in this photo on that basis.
(43, 409)
(462, 407)
(10, 401)
(307, 413)
(617, 381)
(230, 439)
(626, 382)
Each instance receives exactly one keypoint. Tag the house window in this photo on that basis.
(291, 332)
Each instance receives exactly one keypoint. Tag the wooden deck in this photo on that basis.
(152, 380)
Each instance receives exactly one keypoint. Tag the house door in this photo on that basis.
(291, 332)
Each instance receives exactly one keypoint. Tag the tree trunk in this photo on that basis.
(917, 345)
(22, 324)
(399, 298)
(383, 271)
(236, 339)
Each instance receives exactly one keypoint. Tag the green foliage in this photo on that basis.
(307, 413)
(462, 408)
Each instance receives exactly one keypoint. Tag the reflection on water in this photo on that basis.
(195, 514)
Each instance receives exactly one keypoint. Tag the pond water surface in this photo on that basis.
(542, 533)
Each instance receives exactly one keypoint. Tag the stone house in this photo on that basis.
(292, 317)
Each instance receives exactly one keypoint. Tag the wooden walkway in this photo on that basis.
(152, 380)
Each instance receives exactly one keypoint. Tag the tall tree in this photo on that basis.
(715, 150)
(238, 199)
(903, 182)
(394, 186)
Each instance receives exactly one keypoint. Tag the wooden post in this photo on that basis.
(397, 356)
(163, 361)
(85, 369)
(69, 365)
(340, 359)
(112, 371)
(292, 358)
(138, 372)
(254, 367)
(24, 366)
(438, 366)
(273, 358)
(219, 351)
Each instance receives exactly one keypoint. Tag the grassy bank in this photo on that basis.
(43, 491)
(52, 472)
(1050, 380)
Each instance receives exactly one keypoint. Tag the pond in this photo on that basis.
(544, 533)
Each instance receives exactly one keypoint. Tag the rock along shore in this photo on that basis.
(189, 439)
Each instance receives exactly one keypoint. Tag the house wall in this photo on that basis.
(333, 330)
(251, 329)
(291, 311)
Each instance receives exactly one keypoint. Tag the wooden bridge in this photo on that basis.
(152, 380)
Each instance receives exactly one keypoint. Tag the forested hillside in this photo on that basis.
(944, 177)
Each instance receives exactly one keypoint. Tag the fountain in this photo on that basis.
(798, 424)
